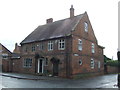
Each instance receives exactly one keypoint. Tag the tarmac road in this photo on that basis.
(106, 81)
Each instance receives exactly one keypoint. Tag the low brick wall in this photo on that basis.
(111, 69)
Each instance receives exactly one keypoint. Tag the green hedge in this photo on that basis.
(112, 63)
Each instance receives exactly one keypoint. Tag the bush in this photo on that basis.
(112, 63)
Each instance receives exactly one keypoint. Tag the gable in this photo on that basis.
(80, 31)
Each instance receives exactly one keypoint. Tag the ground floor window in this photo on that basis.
(99, 64)
(27, 62)
(92, 63)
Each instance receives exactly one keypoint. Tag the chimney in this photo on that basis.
(71, 11)
(17, 48)
(50, 20)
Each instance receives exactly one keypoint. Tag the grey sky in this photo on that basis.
(18, 18)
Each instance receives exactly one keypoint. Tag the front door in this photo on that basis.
(40, 66)
(55, 69)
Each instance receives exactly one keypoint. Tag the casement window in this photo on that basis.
(5, 56)
(99, 64)
(61, 44)
(80, 44)
(93, 48)
(27, 62)
(50, 45)
(41, 46)
(92, 63)
(80, 62)
(33, 48)
(86, 26)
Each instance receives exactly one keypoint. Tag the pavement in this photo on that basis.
(30, 77)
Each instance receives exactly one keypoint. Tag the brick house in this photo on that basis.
(63, 48)
(5, 56)
(9, 61)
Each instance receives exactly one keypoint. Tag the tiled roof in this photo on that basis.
(52, 30)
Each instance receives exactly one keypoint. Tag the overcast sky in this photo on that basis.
(18, 18)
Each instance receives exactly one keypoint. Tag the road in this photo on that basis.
(106, 81)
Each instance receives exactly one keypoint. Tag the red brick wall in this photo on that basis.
(111, 69)
(85, 55)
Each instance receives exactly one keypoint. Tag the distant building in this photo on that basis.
(5, 58)
(9, 61)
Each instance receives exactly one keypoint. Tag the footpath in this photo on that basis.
(30, 77)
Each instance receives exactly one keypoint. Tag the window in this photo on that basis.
(93, 48)
(86, 26)
(41, 46)
(27, 62)
(80, 44)
(50, 45)
(61, 44)
(5, 56)
(99, 64)
(80, 62)
(33, 48)
(26, 49)
(92, 63)
(46, 61)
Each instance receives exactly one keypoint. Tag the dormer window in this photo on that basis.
(86, 26)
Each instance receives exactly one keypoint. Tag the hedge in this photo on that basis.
(113, 63)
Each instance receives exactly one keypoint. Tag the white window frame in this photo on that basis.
(92, 63)
(61, 44)
(80, 44)
(50, 45)
(86, 26)
(93, 48)
(99, 64)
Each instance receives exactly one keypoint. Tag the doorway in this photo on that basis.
(40, 66)
(55, 69)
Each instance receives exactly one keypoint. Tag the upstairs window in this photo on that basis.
(5, 56)
(41, 46)
(86, 26)
(93, 48)
(80, 44)
(61, 44)
(33, 48)
(26, 49)
(92, 63)
(50, 45)
(27, 62)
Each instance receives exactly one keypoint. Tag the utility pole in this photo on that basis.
(118, 55)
